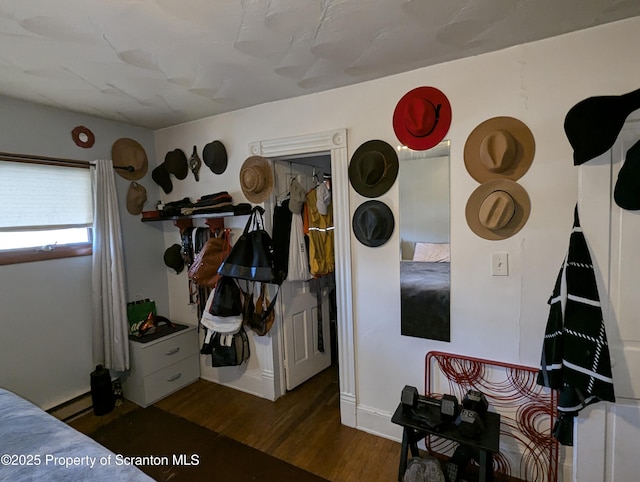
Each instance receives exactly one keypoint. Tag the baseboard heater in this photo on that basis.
(76, 407)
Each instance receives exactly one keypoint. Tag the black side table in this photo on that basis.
(487, 444)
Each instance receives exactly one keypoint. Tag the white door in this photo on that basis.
(608, 435)
(307, 349)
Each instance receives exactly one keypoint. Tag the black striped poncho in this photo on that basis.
(575, 353)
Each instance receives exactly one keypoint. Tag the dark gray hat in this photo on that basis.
(214, 156)
(373, 223)
(173, 258)
(373, 168)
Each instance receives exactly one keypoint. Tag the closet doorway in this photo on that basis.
(335, 143)
(306, 308)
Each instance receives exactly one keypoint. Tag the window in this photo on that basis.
(46, 209)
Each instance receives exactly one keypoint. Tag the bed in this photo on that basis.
(424, 299)
(36, 446)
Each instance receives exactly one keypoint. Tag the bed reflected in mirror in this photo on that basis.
(424, 217)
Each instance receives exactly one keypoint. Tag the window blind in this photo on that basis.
(44, 196)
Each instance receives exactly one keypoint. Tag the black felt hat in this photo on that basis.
(593, 124)
(161, 176)
(373, 223)
(173, 258)
(176, 163)
(373, 168)
(214, 156)
(627, 190)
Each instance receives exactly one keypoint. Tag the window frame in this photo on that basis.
(34, 254)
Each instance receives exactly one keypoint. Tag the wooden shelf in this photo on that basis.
(213, 220)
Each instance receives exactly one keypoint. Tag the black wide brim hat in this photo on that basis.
(175, 162)
(373, 168)
(373, 223)
(593, 124)
(214, 156)
(173, 258)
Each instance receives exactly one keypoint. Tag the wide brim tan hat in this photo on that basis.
(128, 153)
(256, 179)
(498, 209)
(499, 148)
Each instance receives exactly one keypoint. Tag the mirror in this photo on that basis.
(424, 216)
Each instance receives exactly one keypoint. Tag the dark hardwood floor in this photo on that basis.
(303, 427)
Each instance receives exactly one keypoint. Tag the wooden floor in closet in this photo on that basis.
(303, 427)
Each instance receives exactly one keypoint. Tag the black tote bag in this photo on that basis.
(251, 257)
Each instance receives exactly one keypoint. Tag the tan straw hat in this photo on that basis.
(499, 148)
(126, 154)
(498, 209)
(256, 179)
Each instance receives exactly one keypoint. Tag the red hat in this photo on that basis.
(422, 118)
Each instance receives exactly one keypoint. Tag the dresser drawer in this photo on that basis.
(151, 357)
(161, 383)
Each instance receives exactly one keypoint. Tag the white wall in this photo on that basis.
(45, 307)
(501, 318)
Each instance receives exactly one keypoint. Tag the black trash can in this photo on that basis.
(102, 391)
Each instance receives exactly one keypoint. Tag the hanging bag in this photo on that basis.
(251, 257)
(259, 316)
(204, 269)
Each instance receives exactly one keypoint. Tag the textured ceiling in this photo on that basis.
(157, 63)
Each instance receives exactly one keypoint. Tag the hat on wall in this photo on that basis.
(422, 118)
(256, 179)
(373, 223)
(593, 124)
(499, 148)
(136, 197)
(627, 190)
(176, 163)
(162, 178)
(214, 156)
(173, 258)
(498, 209)
(128, 153)
(373, 168)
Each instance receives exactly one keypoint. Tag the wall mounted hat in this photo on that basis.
(214, 155)
(499, 148)
(136, 197)
(373, 168)
(593, 124)
(627, 190)
(162, 178)
(173, 258)
(373, 223)
(176, 163)
(126, 153)
(498, 209)
(422, 118)
(256, 179)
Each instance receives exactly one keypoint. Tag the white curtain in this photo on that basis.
(110, 324)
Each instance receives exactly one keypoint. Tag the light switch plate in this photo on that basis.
(500, 264)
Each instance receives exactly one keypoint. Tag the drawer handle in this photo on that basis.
(173, 352)
(174, 377)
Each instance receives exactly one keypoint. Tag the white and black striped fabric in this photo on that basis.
(575, 353)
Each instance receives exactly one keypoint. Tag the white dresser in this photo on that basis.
(162, 366)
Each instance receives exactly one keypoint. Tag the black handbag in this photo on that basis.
(251, 257)
(229, 350)
(227, 298)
